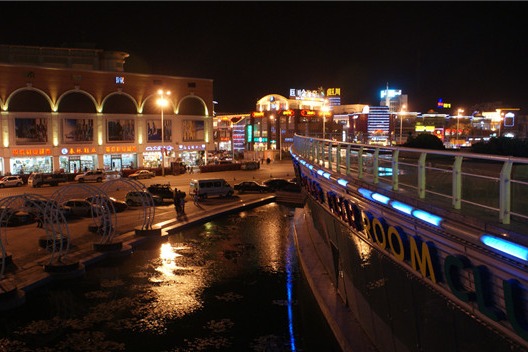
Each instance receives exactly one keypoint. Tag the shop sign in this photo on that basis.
(120, 149)
(31, 151)
(192, 147)
(257, 114)
(79, 150)
(307, 113)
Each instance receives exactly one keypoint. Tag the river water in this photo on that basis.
(232, 284)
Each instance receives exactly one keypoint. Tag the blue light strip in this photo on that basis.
(320, 172)
(404, 208)
(505, 246)
(290, 257)
(342, 182)
(427, 217)
(380, 198)
(326, 175)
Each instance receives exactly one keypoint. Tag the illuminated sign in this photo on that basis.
(443, 105)
(157, 148)
(422, 257)
(332, 92)
(509, 119)
(78, 150)
(288, 113)
(390, 92)
(31, 151)
(257, 114)
(307, 113)
(120, 149)
(306, 94)
(192, 147)
(249, 133)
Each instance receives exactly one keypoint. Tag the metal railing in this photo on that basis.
(496, 183)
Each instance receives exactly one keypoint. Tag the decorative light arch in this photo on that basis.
(120, 93)
(5, 106)
(97, 106)
(193, 97)
(155, 96)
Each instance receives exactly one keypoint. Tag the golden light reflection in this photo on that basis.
(271, 245)
(177, 288)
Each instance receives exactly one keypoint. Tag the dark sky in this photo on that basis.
(467, 53)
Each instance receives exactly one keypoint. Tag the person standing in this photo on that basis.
(177, 202)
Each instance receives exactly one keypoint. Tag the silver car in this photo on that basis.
(11, 181)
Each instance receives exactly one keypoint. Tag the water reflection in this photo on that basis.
(227, 285)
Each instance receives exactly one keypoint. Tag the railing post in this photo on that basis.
(457, 183)
(338, 158)
(375, 166)
(330, 158)
(395, 168)
(505, 192)
(347, 159)
(421, 175)
(322, 154)
(360, 163)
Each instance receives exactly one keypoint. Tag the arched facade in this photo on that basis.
(70, 119)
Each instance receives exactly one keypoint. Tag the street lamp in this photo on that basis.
(324, 109)
(162, 102)
(404, 107)
(458, 117)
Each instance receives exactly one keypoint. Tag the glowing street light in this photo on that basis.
(403, 109)
(162, 102)
(458, 117)
(324, 110)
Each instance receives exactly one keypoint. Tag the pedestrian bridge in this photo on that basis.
(456, 222)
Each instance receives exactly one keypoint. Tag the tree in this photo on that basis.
(424, 141)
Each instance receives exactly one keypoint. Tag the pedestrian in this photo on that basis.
(177, 203)
(182, 203)
(195, 197)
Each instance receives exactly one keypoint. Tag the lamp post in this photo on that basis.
(458, 117)
(162, 102)
(404, 107)
(324, 109)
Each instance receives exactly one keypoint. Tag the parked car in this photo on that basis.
(119, 205)
(91, 176)
(112, 175)
(82, 207)
(37, 206)
(11, 181)
(276, 183)
(137, 198)
(164, 191)
(251, 186)
(141, 174)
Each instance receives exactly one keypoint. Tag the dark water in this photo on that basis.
(232, 284)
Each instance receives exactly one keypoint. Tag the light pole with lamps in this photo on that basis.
(323, 110)
(162, 102)
(403, 109)
(458, 117)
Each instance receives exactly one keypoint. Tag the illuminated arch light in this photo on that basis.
(310, 166)
(342, 182)
(427, 217)
(320, 172)
(366, 193)
(326, 175)
(505, 246)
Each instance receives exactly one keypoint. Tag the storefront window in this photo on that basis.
(118, 162)
(29, 165)
(78, 163)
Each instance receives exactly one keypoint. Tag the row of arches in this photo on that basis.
(31, 99)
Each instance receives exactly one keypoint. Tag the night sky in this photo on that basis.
(467, 53)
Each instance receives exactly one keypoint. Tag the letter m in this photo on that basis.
(421, 258)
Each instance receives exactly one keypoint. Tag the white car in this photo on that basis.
(142, 174)
(11, 181)
(91, 176)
